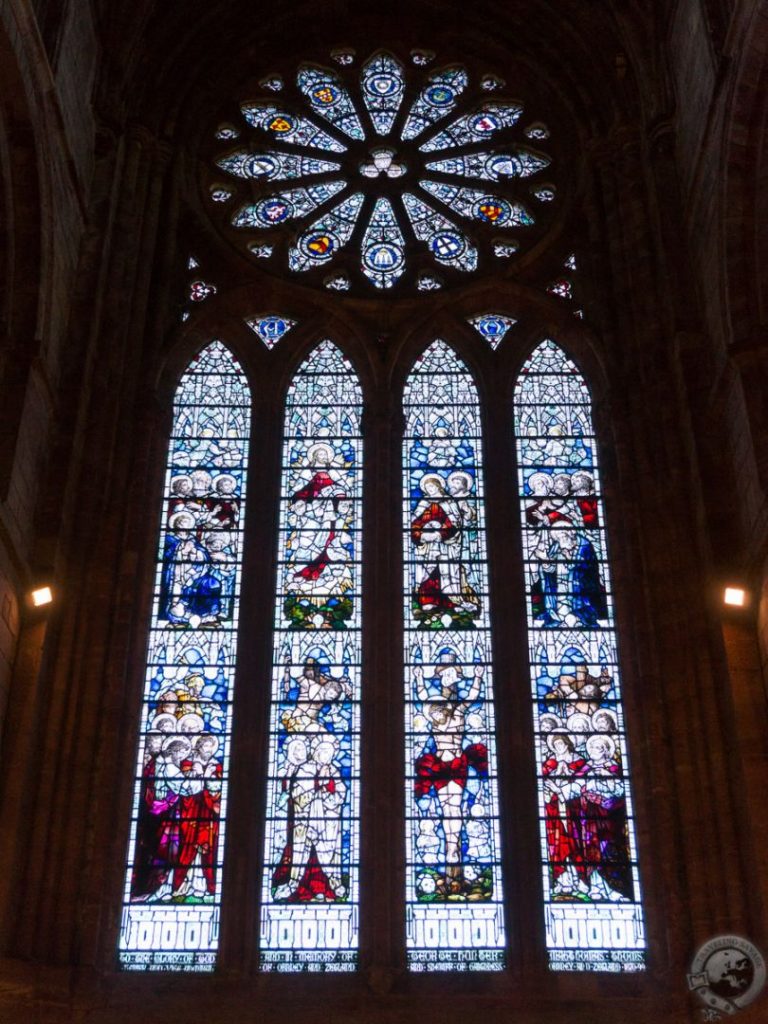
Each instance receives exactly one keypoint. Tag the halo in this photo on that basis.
(176, 739)
(564, 734)
(459, 474)
(549, 717)
(190, 719)
(313, 450)
(579, 722)
(175, 521)
(432, 477)
(605, 711)
(165, 718)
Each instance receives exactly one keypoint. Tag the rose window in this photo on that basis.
(381, 176)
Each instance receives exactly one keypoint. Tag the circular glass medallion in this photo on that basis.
(485, 123)
(439, 95)
(281, 124)
(382, 85)
(503, 167)
(273, 211)
(326, 94)
(446, 245)
(493, 210)
(382, 257)
(321, 245)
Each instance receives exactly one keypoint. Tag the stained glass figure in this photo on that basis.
(310, 883)
(491, 166)
(274, 166)
(323, 239)
(438, 98)
(475, 205)
(383, 247)
(447, 243)
(562, 288)
(287, 127)
(478, 126)
(270, 328)
(594, 919)
(199, 291)
(366, 241)
(453, 890)
(492, 327)
(173, 883)
(330, 100)
(383, 88)
(283, 206)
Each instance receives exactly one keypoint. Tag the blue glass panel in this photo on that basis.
(310, 892)
(480, 206)
(593, 913)
(272, 166)
(520, 163)
(454, 915)
(330, 99)
(288, 127)
(437, 99)
(383, 87)
(447, 243)
(283, 206)
(478, 126)
(173, 885)
(383, 249)
(492, 327)
(323, 239)
(270, 328)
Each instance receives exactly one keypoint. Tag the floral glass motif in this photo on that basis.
(330, 100)
(199, 291)
(221, 195)
(383, 247)
(594, 919)
(310, 884)
(271, 328)
(492, 327)
(282, 206)
(562, 288)
(173, 884)
(454, 908)
(371, 139)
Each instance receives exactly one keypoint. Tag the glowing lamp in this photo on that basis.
(41, 596)
(735, 596)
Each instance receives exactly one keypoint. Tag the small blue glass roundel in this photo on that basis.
(382, 85)
(383, 257)
(320, 245)
(445, 244)
(274, 211)
(439, 95)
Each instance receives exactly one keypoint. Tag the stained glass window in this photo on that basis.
(173, 883)
(309, 917)
(594, 919)
(386, 141)
(453, 890)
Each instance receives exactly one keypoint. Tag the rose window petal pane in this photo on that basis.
(287, 127)
(331, 100)
(437, 98)
(295, 202)
(480, 206)
(383, 86)
(274, 166)
(475, 127)
(491, 166)
(383, 247)
(447, 243)
(323, 239)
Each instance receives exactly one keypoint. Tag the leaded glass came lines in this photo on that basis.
(454, 910)
(594, 918)
(310, 896)
(173, 883)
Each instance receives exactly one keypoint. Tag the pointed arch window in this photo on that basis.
(310, 876)
(594, 918)
(173, 883)
(453, 877)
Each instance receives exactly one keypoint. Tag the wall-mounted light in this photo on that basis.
(735, 596)
(41, 596)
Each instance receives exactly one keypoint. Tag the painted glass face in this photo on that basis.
(375, 171)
